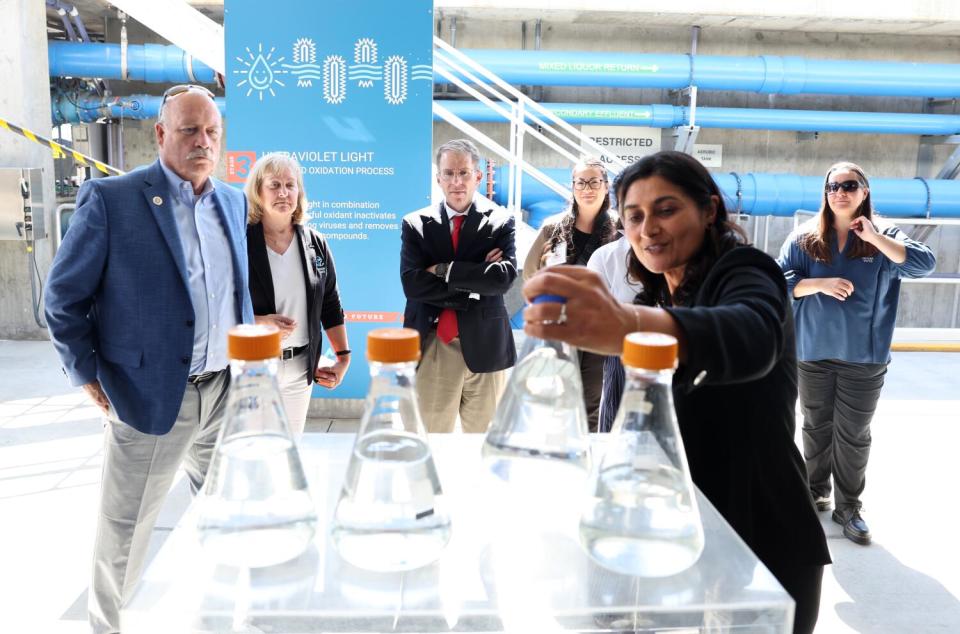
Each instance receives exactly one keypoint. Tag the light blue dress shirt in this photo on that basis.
(206, 250)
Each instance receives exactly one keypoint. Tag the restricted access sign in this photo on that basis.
(630, 143)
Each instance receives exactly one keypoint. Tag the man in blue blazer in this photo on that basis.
(148, 280)
(457, 260)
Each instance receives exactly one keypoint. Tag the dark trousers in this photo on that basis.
(802, 582)
(614, 377)
(838, 400)
(591, 375)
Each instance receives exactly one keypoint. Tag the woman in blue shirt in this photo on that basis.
(843, 271)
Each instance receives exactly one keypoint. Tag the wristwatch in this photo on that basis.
(343, 353)
(441, 270)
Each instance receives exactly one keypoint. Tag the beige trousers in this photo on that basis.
(446, 387)
(138, 470)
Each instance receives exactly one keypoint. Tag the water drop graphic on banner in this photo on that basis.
(260, 74)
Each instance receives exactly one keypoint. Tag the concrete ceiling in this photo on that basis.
(929, 17)
(94, 12)
(910, 17)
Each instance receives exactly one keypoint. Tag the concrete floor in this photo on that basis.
(907, 581)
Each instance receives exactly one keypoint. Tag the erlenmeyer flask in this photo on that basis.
(391, 514)
(541, 413)
(255, 507)
(642, 518)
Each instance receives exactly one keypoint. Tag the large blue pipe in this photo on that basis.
(154, 63)
(667, 116)
(764, 74)
(88, 108)
(784, 194)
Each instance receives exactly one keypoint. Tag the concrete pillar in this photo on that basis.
(25, 101)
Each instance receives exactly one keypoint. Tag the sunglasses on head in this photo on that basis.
(179, 89)
(847, 186)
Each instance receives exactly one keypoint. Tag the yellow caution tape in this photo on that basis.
(59, 151)
(926, 346)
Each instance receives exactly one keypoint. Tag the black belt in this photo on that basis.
(196, 379)
(289, 353)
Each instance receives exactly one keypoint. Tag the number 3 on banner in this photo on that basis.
(239, 165)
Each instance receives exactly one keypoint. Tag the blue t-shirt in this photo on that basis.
(860, 329)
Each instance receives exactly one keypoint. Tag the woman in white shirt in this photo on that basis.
(293, 283)
(610, 261)
(571, 237)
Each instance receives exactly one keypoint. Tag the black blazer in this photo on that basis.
(323, 296)
(485, 334)
(735, 396)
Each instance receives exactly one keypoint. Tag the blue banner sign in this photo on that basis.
(346, 88)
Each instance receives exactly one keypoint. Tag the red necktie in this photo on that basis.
(447, 328)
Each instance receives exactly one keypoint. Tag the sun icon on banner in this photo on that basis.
(260, 72)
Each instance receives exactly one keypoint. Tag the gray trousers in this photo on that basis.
(838, 400)
(138, 470)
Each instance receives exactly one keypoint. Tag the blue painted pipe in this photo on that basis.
(764, 74)
(762, 194)
(783, 194)
(88, 108)
(154, 63)
(667, 116)
(540, 211)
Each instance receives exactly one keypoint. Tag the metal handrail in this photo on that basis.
(580, 138)
(501, 151)
(524, 115)
(510, 115)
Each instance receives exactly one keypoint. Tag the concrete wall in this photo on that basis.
(882, 156)
(25, 101)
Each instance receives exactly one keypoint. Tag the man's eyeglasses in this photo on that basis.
(448, 176)
(179, 89)
(593, 183)
(847, 186)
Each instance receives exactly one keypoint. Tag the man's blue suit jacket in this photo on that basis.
(118, 308)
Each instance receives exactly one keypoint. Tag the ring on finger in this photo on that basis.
(562, 319)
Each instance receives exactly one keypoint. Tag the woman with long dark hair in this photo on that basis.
(843, 270)
(736, 384)
(571, 237)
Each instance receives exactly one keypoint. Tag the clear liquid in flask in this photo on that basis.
(391, 513)
(640, 522)
(541, 415)
(257, 510)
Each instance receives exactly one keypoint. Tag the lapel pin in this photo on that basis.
(157, 200)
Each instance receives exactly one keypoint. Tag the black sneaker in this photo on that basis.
(854, 528)
(822, 502)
